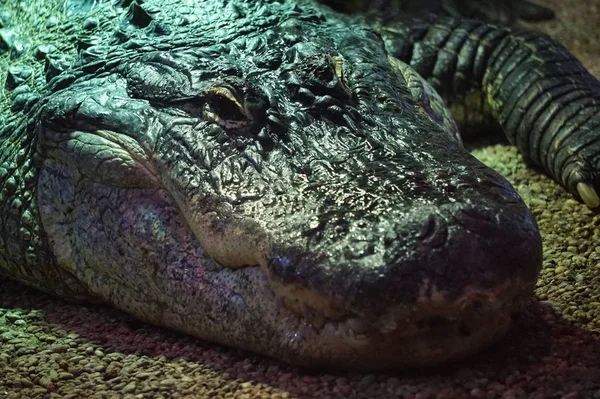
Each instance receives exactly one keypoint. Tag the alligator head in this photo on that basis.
(260, 175)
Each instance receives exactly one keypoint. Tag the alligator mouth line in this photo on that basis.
(430, 332)
(239, 242)
(427, 314)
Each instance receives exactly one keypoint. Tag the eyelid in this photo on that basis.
(228, 92)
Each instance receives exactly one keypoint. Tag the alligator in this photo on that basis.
(281, 177)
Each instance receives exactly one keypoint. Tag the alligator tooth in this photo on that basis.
(588, 195)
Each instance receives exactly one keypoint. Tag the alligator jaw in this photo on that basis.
(433, 332)
(324, 330)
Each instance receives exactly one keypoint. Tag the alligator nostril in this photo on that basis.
(477, 220)
(434, 231)
(428, 229)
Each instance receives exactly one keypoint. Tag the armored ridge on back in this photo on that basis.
(275, 176)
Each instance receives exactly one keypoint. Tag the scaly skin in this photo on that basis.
(268, 175)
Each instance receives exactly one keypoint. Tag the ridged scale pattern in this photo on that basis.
(542, 97)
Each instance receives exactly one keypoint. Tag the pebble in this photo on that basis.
(560, 269)
(12, 316)
(129, 387)
(168, 382)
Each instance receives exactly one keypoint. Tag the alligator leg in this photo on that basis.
(504, 11)
(545, 101)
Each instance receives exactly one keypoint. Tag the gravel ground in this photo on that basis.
(51, 349)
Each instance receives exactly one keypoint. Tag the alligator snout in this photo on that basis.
(430, 255)
(439, 281)
(378, 260)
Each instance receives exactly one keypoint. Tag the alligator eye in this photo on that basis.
(225, 107)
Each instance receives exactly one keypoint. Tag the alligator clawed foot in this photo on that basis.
(585, 188)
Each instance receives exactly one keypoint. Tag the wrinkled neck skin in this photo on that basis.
(264, 179)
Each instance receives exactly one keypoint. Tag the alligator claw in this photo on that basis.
(588, 194)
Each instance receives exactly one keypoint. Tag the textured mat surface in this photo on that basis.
(50, 349)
